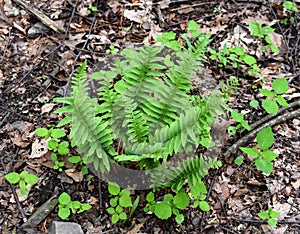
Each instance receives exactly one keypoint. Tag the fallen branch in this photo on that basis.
(263, 221)
(272, 122)
(41, 16)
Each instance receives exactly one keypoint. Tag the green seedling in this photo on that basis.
(254, 103)
(23, 179)
(260, 32)
(79, 160)
(199, 192)
(51, 133)
(263, 156)
(92, 9)
(66, 205)
(269, 215)
(291, 8)
(235, 56)
(170, 205)
(280, 86)
(242, 123)
(120, 202)
(58, 165)
(112, 50)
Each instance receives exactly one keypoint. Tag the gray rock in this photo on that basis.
(65, 228)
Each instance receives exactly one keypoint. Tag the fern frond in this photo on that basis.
(192, 168)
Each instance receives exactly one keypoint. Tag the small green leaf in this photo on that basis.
(113, 201)
(119, 209)
(85, 206)
(57, 133)
(74, 159)
(179, 218)
(238, 117)
(31, 179)
(280, 85)
(267, 92)
(64, 213)
(52, 144)
(113, 188)
(253, 152)
(115, 218)
(150, 197)
(181, 200)
(264, 165)
(12, 177)
(254, 103)
(270, 106)
(273, 214)
(265, 138)
(163, 210)
(248, 59)
(41, 132)
(269, 155)
(255, 28)
(267, 30)
(272, 222)
(123, 216)
(239, 160)
(204, 206)
(111, 210)
(168, 197)
(64, 198)
(282, 101)
(263, 215)
(125, 201)
(76, 204)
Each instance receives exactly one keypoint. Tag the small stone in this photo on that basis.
(196, 221)
(65, 228)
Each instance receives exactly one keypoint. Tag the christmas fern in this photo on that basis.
(148, 115)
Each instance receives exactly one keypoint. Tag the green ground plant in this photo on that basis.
(263, 156)
(291, 8)
(23, 179)
(260, 32)
(235, 56)
(57, 146)
(269, 215)
(66, 206)
(120, 202)
(242, 123)
(280, 86)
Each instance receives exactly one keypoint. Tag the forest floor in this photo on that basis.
(37, 62)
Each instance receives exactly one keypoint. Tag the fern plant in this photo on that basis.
(149, 112)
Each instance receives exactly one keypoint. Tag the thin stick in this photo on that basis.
(41, 16)
(272, 122)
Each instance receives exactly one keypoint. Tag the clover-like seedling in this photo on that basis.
(170, 205)
(242, 123)
(23, 179)
(291, 8)
(66, 205)
(79, 160)
(119, 202)
(280, 86)
(263, 156)
(269, 215)
(51, 133)
(259, 31)
(199, 192)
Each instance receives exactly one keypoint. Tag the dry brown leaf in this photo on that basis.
(47, 107)
(39, 148)
(77, 176)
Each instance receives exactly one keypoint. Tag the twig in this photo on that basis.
(266, 118)
(263, 221)
(272, 122)
(15, 195)
(43, 18)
